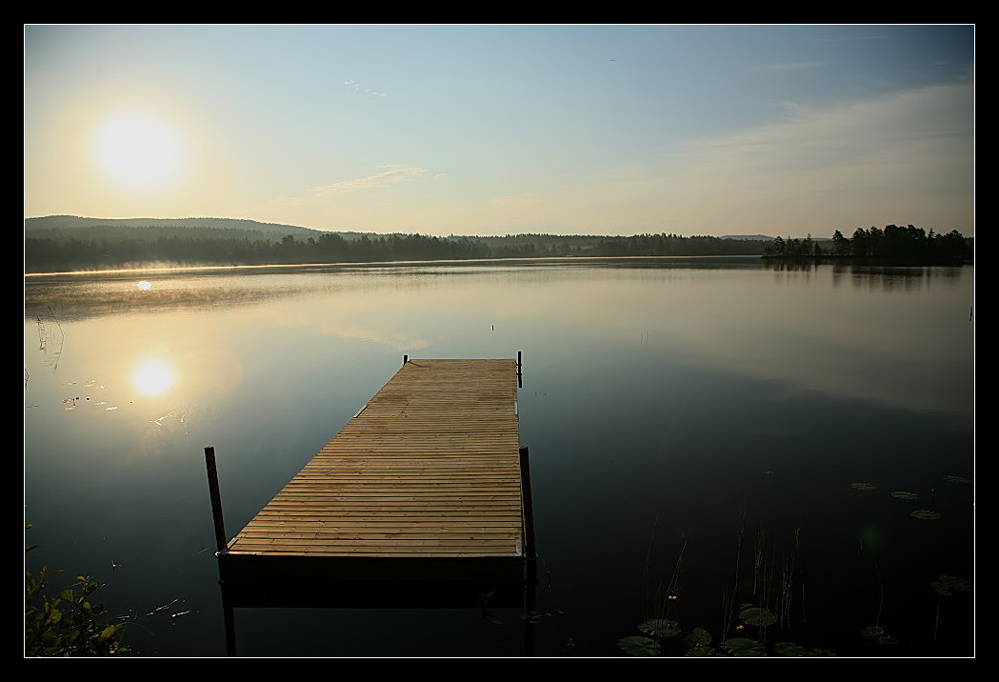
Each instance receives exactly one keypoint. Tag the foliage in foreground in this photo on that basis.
(67, 624)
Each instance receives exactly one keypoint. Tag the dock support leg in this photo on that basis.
(531, 573)
(213, 490)
(525, 480)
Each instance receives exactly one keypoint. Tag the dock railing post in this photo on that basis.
(213, 491)
(520, 379)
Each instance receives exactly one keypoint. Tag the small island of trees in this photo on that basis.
(910, 245)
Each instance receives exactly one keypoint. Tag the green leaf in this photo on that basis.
(946, 585)
(639, 646)
(700, 637)
(660, 627)
(956, 583)
(941, 589)
(926, 514)
(951, 478)
(905, 495)
(863, 486)
(758, 617)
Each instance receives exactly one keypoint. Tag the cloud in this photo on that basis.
(392, 175)
(929, 127)
(352, 84)
(904, 158)
(288, 201)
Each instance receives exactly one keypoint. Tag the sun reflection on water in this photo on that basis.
(153, 377)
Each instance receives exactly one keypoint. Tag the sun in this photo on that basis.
(138, 150)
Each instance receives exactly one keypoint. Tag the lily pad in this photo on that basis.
(660, 627)
(639, 646)
(927, 514)
(743, 646)
(947, 585)
(758, 617)
(699, 637)
(905, 495)
(951, 478)
(863, 486)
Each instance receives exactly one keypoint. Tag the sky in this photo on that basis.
(506, 129)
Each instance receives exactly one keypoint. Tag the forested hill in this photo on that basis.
(66, 243)
(71, 225)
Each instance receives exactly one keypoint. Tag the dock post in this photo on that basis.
(405, 359)
(525, 479)
(520, 379)
(213, 491)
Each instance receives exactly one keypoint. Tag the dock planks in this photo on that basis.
(428, 469)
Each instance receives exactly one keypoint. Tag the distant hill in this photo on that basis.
(754, 237)
(70, 222)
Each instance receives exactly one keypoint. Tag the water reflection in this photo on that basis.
(672, 390)
(153, 377)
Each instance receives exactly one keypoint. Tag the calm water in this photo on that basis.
(696, 420)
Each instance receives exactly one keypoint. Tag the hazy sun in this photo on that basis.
(138, 150)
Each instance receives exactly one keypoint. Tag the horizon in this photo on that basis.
(490, 130)
(475, 236)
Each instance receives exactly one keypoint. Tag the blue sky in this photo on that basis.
(468, 129)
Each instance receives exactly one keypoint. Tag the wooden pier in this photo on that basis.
(428, 481)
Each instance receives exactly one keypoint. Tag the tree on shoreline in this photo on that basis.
(135, 247)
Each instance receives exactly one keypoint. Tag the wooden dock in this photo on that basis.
(425, 482)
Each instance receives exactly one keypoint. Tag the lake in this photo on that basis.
(705, 434)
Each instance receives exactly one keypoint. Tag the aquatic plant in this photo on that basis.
(946, 586)
(951, 478)
(661, 632)
(67, 624)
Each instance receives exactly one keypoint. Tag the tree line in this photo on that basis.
(143, 247)
(901, 244)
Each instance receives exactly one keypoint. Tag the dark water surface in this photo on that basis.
(694, 424)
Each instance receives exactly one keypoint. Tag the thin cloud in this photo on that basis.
(353, 85)
(861, 163)
(392, 175)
